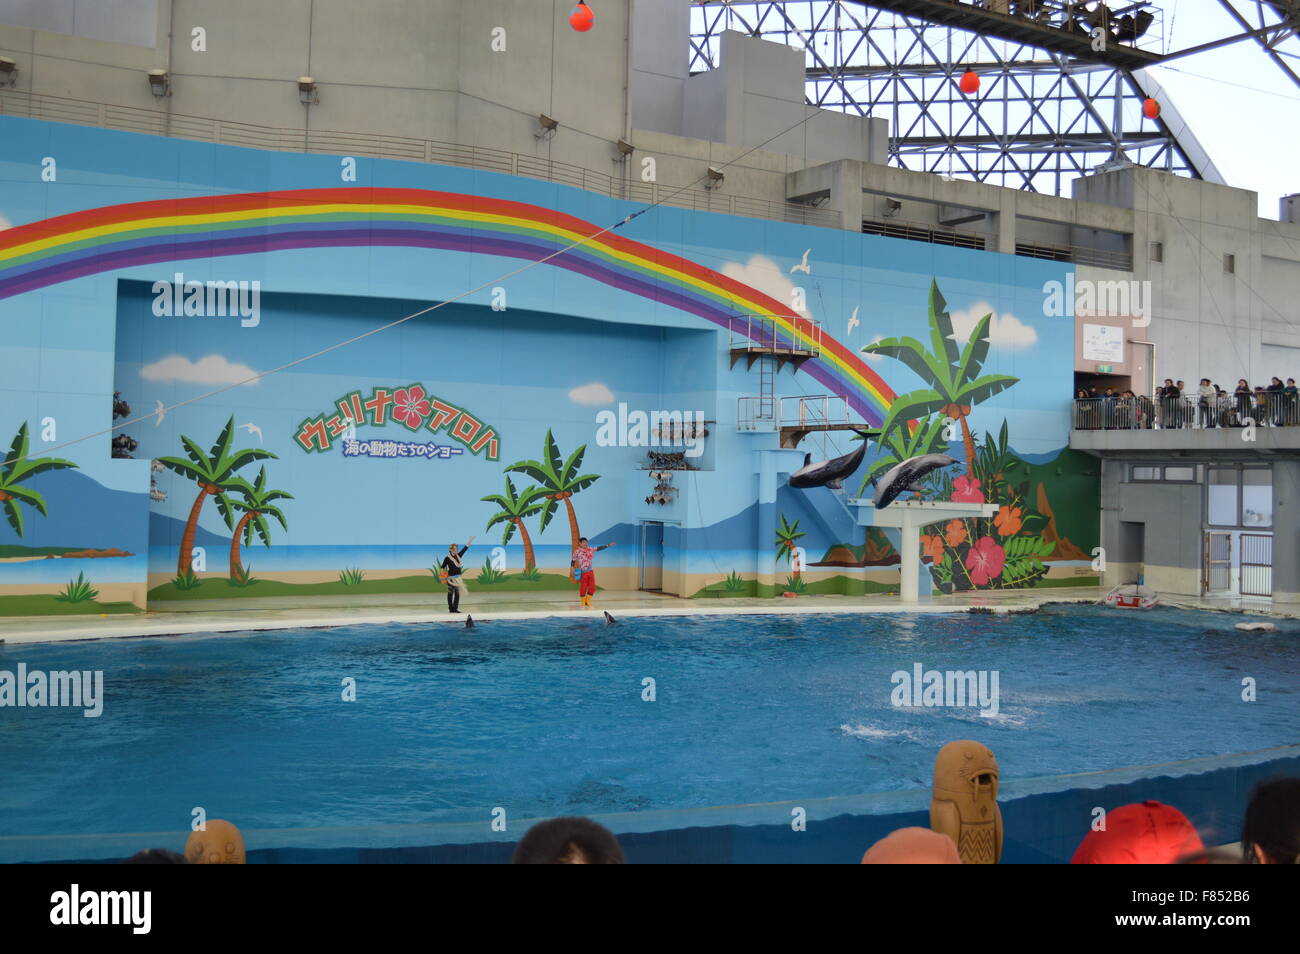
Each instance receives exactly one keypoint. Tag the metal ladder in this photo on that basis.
(767, 389)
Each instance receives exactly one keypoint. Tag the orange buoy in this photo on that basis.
(581, 18)
(970, 82)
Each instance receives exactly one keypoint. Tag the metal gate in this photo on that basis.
(1257, 564)
(652, 556)
(1216, 562)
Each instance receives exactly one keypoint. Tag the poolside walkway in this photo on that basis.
(209, 616)
(229, 616)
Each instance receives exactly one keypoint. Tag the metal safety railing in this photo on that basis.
(817, 409)
(1269, 409)
(157, 122)
(773, 334)
(757, 413)
(813, 411)
(1078, 254)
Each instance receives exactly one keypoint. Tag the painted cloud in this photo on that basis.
(214, 369)
(766, 275)
(1005, 330)
(594, 393)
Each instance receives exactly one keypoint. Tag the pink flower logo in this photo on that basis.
(985, 560)
(966, 490)
(410, 406)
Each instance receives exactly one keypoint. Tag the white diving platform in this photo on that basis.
(908, 517)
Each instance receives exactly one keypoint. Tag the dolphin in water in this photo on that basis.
(903, 477)
(469, 622)
(829, 473)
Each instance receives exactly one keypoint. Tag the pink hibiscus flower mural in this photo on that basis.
(410, 406)
(966, 490)
(985, 560)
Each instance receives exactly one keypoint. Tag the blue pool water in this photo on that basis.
(546, 716)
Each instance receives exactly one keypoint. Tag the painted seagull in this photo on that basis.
(802, 266)
(160, 411)
(903, 477)
(253, 429)
(853, 319)
(829, 473)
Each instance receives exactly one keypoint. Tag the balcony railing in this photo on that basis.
(765, 334)
(1271, 409)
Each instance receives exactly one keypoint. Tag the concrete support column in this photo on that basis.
(909, 571)
(1286, 531)
(847, 195)
(1006, 221)
(841, 181)
(767, 468)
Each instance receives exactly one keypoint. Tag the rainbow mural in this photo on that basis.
(44, 253)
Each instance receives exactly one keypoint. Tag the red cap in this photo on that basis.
(1145, 833)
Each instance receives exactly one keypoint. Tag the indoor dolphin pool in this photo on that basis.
(556, 716)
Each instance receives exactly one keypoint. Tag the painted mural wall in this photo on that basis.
(304, 418)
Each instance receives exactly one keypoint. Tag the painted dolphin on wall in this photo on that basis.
(903, 477)
(829, 473)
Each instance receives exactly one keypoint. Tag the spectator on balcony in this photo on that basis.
(1083, 406)
(1146, 410)
(1241, 397)
(1208, 399)
(1290, 403)
(1170, 395)
(1121, 411)
(1184, 405)
(1261, 405)
(1223, 403)
(1275, 389)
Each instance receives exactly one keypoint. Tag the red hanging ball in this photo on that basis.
(970, 82)
(1150, 108)
(581, 18)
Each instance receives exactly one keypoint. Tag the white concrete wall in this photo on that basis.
(1206, 322)
(417, 68)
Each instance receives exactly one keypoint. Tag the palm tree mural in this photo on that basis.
(901, 444)
(559, 480)
(214, 472)
(16, 468)
(951, 373)
(257, 503)
(786, 535)
(515, 508)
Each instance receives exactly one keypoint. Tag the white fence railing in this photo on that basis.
(1265, 409)
(160, 123)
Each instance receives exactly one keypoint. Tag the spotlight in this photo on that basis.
(547, 127)
(715, 178)
(8, 71)
(160, 83)
(625, 150)
(307, 94)
(892, 208)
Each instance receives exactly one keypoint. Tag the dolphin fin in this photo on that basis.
(835, 484)
(807, 459)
